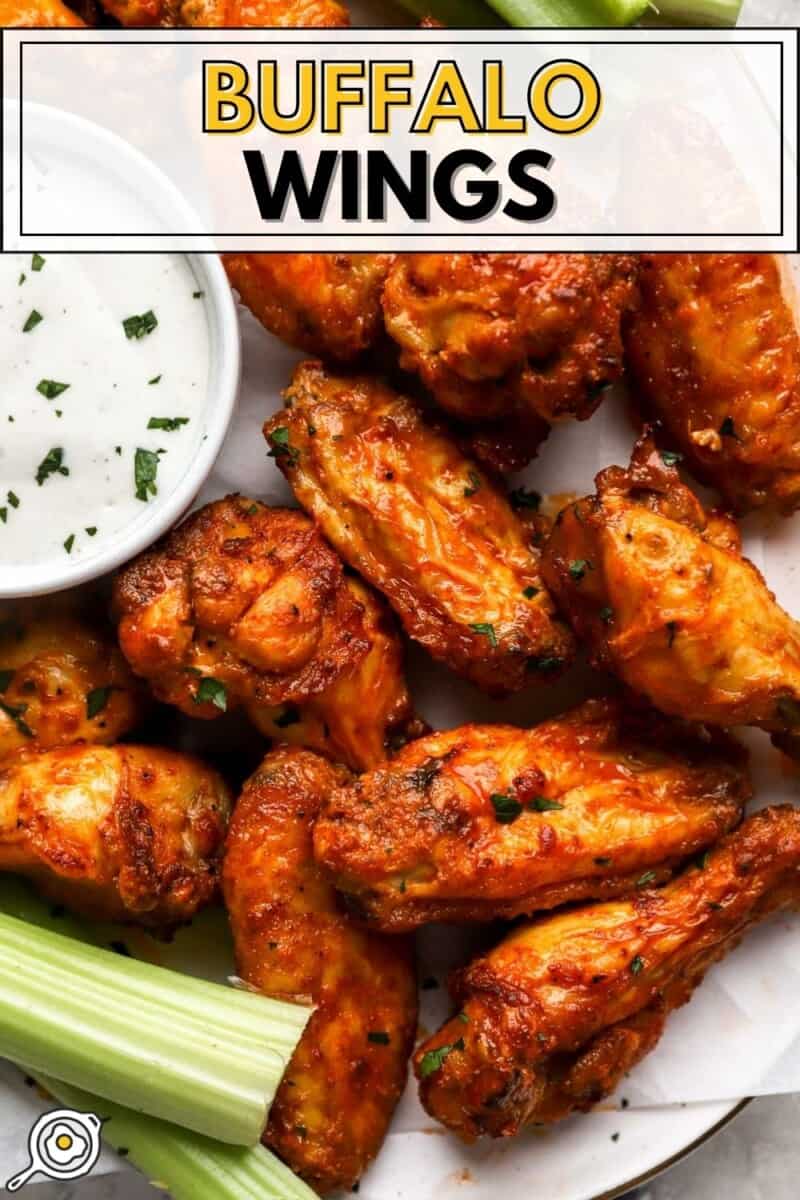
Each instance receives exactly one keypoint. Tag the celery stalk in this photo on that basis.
(565, 13)
(455, 14)
(187, 1165)
(195, 1053)
(708, 13)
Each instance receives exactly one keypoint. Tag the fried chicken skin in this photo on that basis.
(232, 14)
(491, 821)
(529, 337)
(715, 354)
(119, 833)
(405, 508)
(663, 596)
(37, 14)
(239, 603)
(332, 1110)
(62, 679)
(326, 304)
(365, 712)
(554, 1016)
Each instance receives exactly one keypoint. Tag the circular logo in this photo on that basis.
(63, 1144)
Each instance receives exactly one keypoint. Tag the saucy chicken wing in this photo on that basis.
(405, 508)
(327, 304)
(715, 355)
(62, 679)
(554, 1017)
(332, 1110)
(365, 712)
(120, 833)
(37, 14)
(491, 821)
(663, 596)
(239, 603)
(234, 14)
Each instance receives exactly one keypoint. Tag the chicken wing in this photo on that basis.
(37, 14)
(420, 522)
(365, 712)
(333, 1107)
(62, 679)
(664, 597)
(491, 821)
(327, 304)
(715, 355)
(120, 833)
(555, 1015)
(232, 14)
(239, 603)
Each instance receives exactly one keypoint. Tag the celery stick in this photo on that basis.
(455, 14)
(187, 1165)
(195, 1053)
(707, 13)
(565, 13)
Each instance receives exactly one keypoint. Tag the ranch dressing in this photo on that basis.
(78, 464)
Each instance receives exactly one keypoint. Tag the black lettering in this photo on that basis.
(291, 181)
(544, 202)
(383, 174)
(486, 191)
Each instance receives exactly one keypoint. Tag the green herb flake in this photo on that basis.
(671, 458)
(463, 1018)
(434, 1059)
(487, 630)
(16, 712)
(37, 262)
(474, 483)
(91, 530)
(21, 279)
(198, 295)
(522, 498)
(637, 965)
(51, 464)
(32, 320)
(137, 327)
(5, 679)
(4, 514)
(578, 568)
(645, 879)
(96, 700)
(211, 691)
(542, 804)
(145, 469)
(702, 861)
(282, 447)
(50, 388)
(506, 808)
(545, 663)
(168, 424)
(69, 543)
(155, 379)
(378, 1038)
(530, 592)
(13, 499)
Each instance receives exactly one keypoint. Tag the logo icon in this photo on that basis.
(63, 1144)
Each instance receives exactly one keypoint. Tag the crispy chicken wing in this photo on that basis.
(715, 355)
(419, 521)
(62, 679)
(239, 603)
(365, 712)
(491, 821)
(327, 304)
(333, 1107)
(260, 14)
(37, 14)
(531, 337)
(559, 1011)
(121, 833)
(662, 594)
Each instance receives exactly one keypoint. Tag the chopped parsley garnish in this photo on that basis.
(145, 469)
(474, 483)
(487, 630)
(32, 321)
(522, 498)
(168, 424)
(578, 568)
(282, 447)
(16, 713)
(91, 530)
(197, 295)
(434, 1059)
(139, 326)
(702, 861)
(50, 388)
(637, 964)
(545, 663)
(671, 458)
(643, 880)
(155, 379)
(378, 1038)
(3, 514)
(69, 543)
(37, 262)
(5, 679)
(289, 715)
(728, 429)
(506, 808)
(51, 464)
(13, 499)
(96, 700)
(530, 592)
(211, 691)
(21, 279)
(542, 804)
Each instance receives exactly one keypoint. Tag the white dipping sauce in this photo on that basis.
(117, 384)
